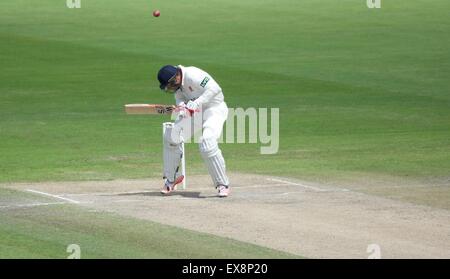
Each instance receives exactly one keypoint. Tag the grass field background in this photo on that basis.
(360, 91)
(363, 93)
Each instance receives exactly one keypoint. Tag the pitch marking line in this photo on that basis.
(152, 191)
(30, 205)
(280, 182)
(53, 196)
(297, 184)
(317, 189)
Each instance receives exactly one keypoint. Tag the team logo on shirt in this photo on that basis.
(204, 82)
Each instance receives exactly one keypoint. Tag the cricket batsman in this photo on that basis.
(197, 97)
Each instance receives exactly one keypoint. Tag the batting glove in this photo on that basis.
(181, 110)
(192, 107)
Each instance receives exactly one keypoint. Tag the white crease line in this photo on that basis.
(261, 186)
(172, 198)
(53, 196)
(308, 186)
(288, 193)
(118, 201)
(156, 190)
(281, 183)
(31, 204)
(107, 193)
(297, 184)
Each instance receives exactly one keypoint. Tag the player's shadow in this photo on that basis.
(184, 194)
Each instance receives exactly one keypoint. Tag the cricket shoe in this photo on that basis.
(224, 191)
(170, 187)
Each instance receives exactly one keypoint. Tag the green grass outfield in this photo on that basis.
(363, 93)
(359, 90)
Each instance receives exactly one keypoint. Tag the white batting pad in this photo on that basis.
(214, 160)
(172, 155)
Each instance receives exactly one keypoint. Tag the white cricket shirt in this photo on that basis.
(200, 86)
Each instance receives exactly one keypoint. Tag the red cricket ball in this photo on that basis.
(156, 13)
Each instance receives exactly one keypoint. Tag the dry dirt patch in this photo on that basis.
(302, 218)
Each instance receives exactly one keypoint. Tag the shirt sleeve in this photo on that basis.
(211, 89)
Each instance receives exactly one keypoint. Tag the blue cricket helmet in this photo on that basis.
(165, 74)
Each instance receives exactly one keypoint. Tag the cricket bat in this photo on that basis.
(148, 109)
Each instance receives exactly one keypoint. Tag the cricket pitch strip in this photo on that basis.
(306, 219)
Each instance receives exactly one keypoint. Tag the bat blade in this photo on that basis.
(148, 109)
